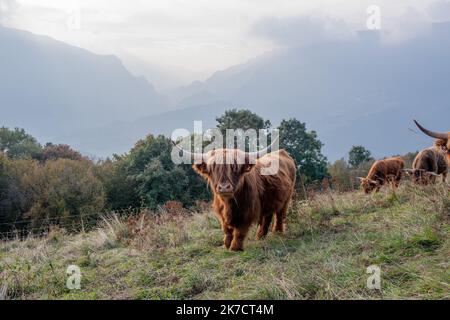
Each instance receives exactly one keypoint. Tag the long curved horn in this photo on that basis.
(195, 154)
(260, 153)
(437, 135)
(433, 174)
(257, 154)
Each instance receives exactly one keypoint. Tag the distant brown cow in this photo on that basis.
(382, 171)
(429, 164)
(242, 195)
(443, 139)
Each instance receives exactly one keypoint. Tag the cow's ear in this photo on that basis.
(248, 167)
(201, 168)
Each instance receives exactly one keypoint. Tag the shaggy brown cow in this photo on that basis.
(443, 139)
(242, 195)
(382, 171)
(430, 163)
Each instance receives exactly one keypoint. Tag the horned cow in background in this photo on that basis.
(434, 161)
(381, 172)
(429, 164)
(443, 139)
(243, 196)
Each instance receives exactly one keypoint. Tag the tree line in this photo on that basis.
(56, 185)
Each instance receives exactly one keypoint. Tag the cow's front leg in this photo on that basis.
(397, 182)
(239, 234)
(263, 227)
(228, 236)
(225, 220)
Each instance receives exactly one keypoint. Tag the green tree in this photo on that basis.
(358, 155)
(18, 144)
(120, 188)
(58, 151)
(157, 184)
(305, 148)
(61, 191)
(12, 198)
(41, 194)
(152, 178)
(5, 183)
(242, 119)
(3, 175)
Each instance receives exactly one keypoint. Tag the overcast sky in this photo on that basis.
(198, 37)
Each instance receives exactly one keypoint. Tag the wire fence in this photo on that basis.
(35, 227)
(40, 227)
(49, 219)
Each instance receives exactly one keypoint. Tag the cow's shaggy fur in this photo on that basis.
(382, 171)
(251, 197)
(431, 162)
(442, 139)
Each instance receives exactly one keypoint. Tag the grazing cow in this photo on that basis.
(429, 164)
(382, 171)
(242, 195)
(443, 139)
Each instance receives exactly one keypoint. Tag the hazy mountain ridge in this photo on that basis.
(53, 89)
(351, 92)
(358, 91)
(343, 88)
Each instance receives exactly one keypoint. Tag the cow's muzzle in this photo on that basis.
(224, 189)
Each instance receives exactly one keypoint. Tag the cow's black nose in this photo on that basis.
(224, 187)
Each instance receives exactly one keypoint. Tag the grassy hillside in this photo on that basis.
(331, 240)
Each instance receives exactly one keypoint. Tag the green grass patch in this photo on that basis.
(330, 241)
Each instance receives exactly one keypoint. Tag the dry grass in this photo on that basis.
(331, 239)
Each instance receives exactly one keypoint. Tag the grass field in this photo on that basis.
(330, 241)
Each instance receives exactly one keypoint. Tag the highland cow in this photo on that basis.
(243, 196)
(382, 171)
(429, 164)
(442, 139)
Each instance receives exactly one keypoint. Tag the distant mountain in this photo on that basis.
(161, 78)
(359, 91)
(119, 137)
(53, 89)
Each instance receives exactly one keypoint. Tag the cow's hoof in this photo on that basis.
(236, 246)
(226, 242)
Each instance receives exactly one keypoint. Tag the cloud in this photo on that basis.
(300, 30)
(408, 24)
(439, 10)
(7, 9)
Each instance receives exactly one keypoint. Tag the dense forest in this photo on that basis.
(42, 186)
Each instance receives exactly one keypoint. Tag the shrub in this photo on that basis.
(58, 192)
(59, 151)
